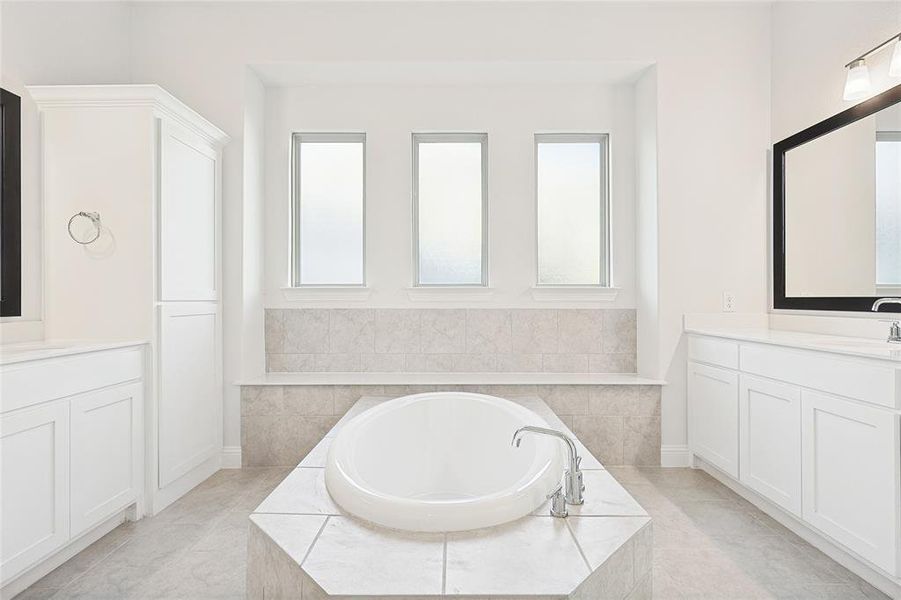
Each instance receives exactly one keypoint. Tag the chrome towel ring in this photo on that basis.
(94, 217)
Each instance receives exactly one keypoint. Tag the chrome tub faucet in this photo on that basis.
(572, 478)
(894, 333)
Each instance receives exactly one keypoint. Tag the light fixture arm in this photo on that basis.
(876, 49)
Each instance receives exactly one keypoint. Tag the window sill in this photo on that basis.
(327, 293)
(449, 293)
(575, 293)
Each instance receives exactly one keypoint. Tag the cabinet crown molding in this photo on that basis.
(125, 96)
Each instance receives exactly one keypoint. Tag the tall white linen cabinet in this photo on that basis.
(151, 168)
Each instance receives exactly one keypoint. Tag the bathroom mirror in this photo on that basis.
(10, 206)
(837, 210)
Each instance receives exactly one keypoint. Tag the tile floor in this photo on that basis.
(708, 544)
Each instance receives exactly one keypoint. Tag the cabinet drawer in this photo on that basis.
(862, 380)
(30, 383)
(714, 351)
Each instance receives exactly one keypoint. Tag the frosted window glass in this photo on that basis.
(449, 194)
(330, 242)
(888, 212)
(571, 190)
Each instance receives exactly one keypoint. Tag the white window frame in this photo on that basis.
(297, 138)
(448, 137)
(605, 248)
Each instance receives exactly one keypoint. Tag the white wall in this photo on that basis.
(43, 45)
(509, 114)
(713, 110)
(647, 258)
(252, 350)
(811, 43)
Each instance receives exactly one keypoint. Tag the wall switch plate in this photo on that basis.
(728, 302)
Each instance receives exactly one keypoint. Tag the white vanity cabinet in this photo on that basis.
(151, 167)
(106, 453)
(850, 472)
(71, 453)
(813, 431)
(34, 485)
(713, 415)
(770, 440)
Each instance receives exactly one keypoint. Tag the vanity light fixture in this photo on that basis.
(894, 68)
(857, 84)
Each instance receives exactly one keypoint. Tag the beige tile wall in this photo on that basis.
(619, 424)
(451, 340)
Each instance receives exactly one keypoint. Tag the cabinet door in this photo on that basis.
(190, 398)
(106, 455)
(713, 416)
(189, 215)
(770, 440)
(34, 485)
(850, 466)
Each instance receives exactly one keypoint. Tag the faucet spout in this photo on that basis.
(881, 301)
(573, 484)
(894, 334)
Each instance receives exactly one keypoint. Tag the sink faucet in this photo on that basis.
(573, 477)
(894, 332)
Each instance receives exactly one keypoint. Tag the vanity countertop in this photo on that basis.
(27, 351)
(851, 346)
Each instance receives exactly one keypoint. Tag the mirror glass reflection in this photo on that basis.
(843, 211)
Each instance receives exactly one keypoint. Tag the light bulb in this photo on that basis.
(894, 68)
(857, 85)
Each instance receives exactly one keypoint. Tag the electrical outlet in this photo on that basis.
(728, 302)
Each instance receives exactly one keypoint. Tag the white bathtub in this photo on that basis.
(442, 461)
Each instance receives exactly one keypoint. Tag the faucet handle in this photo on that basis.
(558, 502)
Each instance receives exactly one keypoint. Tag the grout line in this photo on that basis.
(579, 546)
(444, 569)
(313, 543)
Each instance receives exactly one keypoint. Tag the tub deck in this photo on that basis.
(302, 546)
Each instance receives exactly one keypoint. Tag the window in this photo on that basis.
(329, 208)
(888, 211)
(450, 208)
(571, 187)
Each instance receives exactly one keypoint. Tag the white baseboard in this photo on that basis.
(231, 457)
(674, 456)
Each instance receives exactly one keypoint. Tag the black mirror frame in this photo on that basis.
(840, 303)
(11, 206)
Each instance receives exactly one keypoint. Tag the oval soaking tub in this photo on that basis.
(442, 461)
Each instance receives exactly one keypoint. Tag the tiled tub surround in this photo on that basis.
(620, 424)
(451, 340)
(301, 545)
